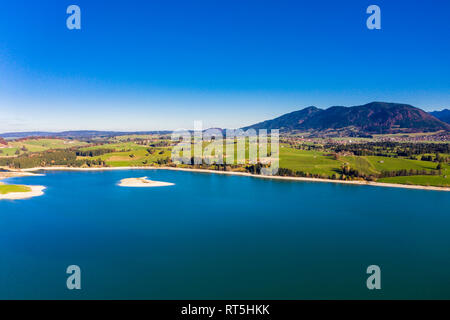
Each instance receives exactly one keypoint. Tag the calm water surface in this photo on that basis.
(221, 237)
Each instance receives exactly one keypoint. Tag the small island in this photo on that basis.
(143, 182)
(15, 192)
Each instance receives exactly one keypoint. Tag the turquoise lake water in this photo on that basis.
(222, 237)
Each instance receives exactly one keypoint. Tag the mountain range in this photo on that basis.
(85, 134)
(371, 118)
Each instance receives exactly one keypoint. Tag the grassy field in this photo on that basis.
(119, 146)
(45, 144)
(438, 181)
(6, 188)
(129, 154)
(396, 135)
(136, 136)
(391, 164)
(38, 145)
(7, 152)
(315, 162)
(308, 161)
(362, 164)
(375, 165)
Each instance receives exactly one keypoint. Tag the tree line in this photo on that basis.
(390, 149)
(49, 158)
(93, 153)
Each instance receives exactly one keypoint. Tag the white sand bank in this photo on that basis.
(36, 191)
(143, 182)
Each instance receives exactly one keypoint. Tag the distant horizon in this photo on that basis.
(190, 128)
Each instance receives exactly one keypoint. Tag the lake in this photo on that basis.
(214, 236)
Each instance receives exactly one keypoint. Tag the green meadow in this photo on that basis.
(321, 163)
(308, 161)
(8, 152)
(19, 147)
(128, 154)
(6, 188)
(438, 181)
(115, 145)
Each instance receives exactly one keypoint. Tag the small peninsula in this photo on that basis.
(15, 192)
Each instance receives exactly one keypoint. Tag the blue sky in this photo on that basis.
(152, 65)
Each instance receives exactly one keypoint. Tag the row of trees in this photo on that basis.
(93, 153)
(348, 173)
(285, 172)
(436, 158)
(163, 161)
(49, 158)
(389, 149)
(411, 172)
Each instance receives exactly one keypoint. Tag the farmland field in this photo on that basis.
(308, 161)
(132, 154)
(389, 164)
(38, 145)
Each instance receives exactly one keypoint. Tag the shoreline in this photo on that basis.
(245, 174)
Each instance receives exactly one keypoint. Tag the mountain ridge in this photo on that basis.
(443, 115)
(75, 133)
(371, 118)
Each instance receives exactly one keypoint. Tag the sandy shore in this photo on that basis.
(36, 191)
(143, 182)
(13, 174)
(364, 183)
